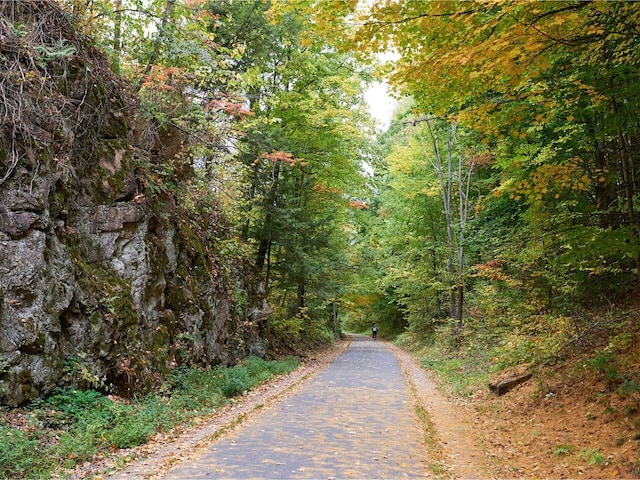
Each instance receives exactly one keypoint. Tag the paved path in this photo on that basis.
(354, 419)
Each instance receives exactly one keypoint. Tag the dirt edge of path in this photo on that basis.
(458, 451)
(156, 458)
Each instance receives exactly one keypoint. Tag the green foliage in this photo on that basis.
(464, 366)
(458, 373)
(301, 150)
(563, 449)
(317, 334)
(234, 381)
(592, 456)
(286, 328)
(134, 425)
(77, 371)
(604, 362)
(60, 50)
(300, 332)
(19, 453)
(73, 403)
(628, 387)
(555, 228)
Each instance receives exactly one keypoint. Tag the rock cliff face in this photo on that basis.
(101, 282)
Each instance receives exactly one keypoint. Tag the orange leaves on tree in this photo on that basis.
(595, 96)
(492, 270)
(358, 205)
(283, 157)
(490, 51)
(321, 188)
(237, 109)
(170, 79)
(195, 3)
(552, 180)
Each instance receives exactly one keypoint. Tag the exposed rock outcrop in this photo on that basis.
(101, 282)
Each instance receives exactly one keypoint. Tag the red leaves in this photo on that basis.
(492, 270)
(358, 205)
(484, 159)
(280, 156)
(232, 108)
(171, 79)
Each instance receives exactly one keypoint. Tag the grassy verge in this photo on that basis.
(462, 369)
(72, 426)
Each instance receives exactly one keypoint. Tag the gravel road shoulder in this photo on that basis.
(460, 451)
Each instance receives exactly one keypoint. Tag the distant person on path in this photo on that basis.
(374, 331)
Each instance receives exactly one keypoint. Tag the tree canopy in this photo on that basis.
(504, 192)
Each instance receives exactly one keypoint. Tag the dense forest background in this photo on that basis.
(276, 129)
(503, 196)
(499, 208)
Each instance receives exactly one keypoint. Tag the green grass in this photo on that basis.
(592, 456)
(563, 449)
(464, 368)
(72, 426)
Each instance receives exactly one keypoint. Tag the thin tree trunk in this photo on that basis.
(264, 248)
(464, 186)
(117, 35)
(628, 174)
(158, 40)
(445, 190)
(300, 301)
(460, 304)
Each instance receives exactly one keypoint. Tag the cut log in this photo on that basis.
(504, 382)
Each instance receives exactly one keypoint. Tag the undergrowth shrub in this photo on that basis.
(75, 447)
(604, 362)
(463, 364)
(235, 380)
(297, 333)
(18, 452)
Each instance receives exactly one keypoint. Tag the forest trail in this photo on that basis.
(370, 413)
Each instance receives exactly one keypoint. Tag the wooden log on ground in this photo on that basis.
(506, 381)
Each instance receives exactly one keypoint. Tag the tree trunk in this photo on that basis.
(460, 305)
(300, 298)
(629, 182)
(158, 40)
(446, 180)
(628, 175)
(117, 35)
(264, 248)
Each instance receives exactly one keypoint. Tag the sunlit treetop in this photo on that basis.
(472, 57)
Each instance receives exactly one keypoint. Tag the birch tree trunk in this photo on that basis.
(444, 177)
(448, 179)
